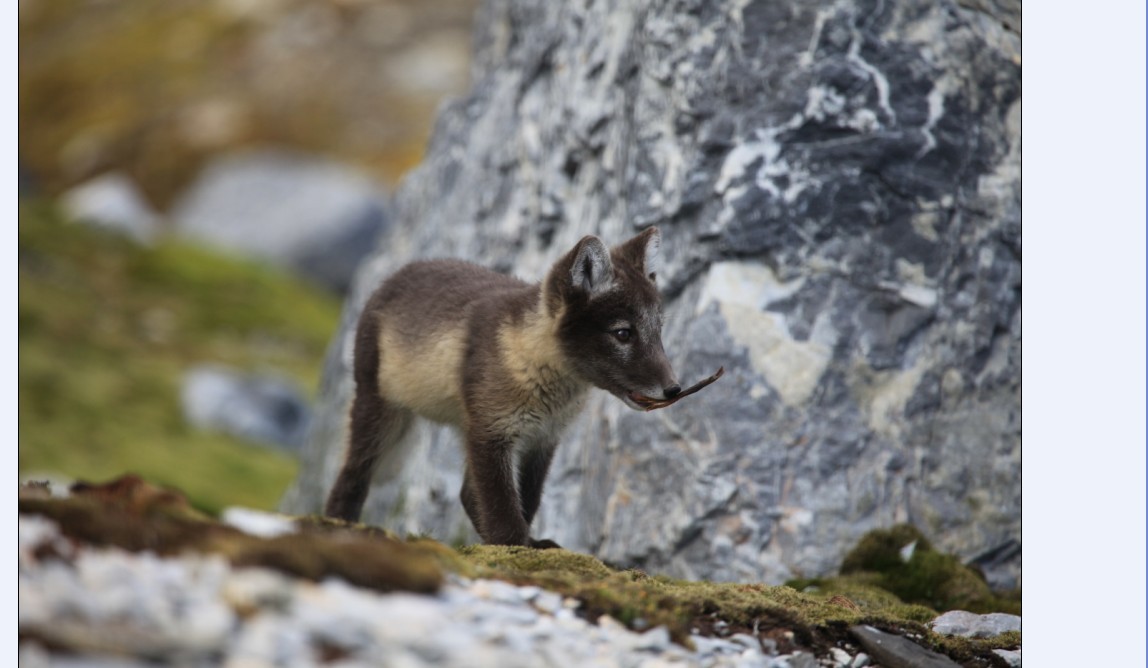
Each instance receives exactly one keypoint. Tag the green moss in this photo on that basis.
(525, 560)
(929, 578)
(880, 550)
(866, 594)
(106, 330)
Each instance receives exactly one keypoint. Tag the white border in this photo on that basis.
(1084, 359)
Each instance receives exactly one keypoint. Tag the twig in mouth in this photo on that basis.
(649, 404)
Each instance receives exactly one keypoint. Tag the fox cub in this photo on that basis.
(507, 363)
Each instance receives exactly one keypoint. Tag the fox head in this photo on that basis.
(609, 316)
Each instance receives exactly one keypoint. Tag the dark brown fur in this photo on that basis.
(506, 362)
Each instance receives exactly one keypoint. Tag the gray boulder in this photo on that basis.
(254, 407)
(315, 217)
(838, 189)
(113, 201)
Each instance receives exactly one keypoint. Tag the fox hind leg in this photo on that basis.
(377, 428)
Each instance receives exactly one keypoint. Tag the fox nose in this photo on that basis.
(672, 391)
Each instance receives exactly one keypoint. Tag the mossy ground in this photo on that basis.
(135, 515)
(929, 579)
(108, 327)
(814, 620)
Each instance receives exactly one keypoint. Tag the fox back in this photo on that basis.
(507, 363)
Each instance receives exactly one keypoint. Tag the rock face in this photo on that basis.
(838, 190)
(318, 218)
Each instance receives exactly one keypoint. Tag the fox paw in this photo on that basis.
(544, 544)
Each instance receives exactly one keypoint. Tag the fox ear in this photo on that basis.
(642, 250)
(592, 270)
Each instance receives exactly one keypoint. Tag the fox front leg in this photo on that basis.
(469, 498)
(533, 464)
(377, 428)
(490, 493)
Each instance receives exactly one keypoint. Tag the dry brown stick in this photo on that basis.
(653, 404)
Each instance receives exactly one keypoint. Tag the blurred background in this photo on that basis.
(205, 186)
(159, 141)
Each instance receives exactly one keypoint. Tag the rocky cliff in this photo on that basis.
(838, 190)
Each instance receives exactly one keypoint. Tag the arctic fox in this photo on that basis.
(507, 363)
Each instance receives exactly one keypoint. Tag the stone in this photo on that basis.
(838, 190)
(707, 646)
(548, 602)
(971, 625)
(1011, 657)
(840, 657)
(258, 408)
(113, 201)
(300, 212)
(892, 651)
(249, 590)
(656, 639)
(1000, 565)
(796, 660)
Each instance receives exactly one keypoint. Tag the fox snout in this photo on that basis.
(642, 373)
(666, 386)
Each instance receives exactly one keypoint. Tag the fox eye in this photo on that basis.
(622, 335)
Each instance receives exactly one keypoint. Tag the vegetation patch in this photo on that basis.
(816, 620)
(107, 329)
(904, 563)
